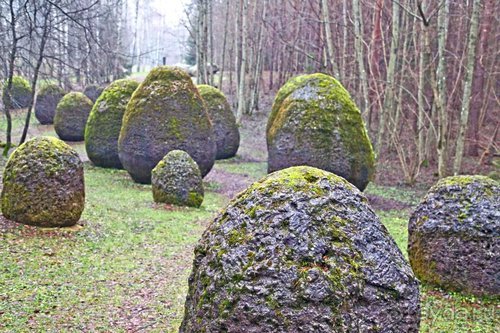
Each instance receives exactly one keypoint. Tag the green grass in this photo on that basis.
(94, 278)
(254, 170)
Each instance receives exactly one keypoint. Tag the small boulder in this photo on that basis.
(177, 180)
(454, 235)
(105, 121)
(20, 92)
(71, 116)
(43, 184)
(300, 249)
(315, 122)
(227, 135)
(93, 91)
(165, 113)
(46, 103)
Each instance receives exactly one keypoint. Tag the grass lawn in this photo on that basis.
(125, 268)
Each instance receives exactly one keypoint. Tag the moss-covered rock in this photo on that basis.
(165, 113)
(43, 184)
(93, 91)
(315, 122)
(46, 103)
(20, 92)
(105, 121)
(177, 180)
(454, 235)
(300, 249)
(226, 131)
(71, 116)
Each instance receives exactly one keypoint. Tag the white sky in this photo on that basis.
(172, 9)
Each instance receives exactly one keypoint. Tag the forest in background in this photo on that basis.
(423, 73)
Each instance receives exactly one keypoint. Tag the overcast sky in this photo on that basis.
(172, 9)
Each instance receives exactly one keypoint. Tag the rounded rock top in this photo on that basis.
(315, 122)
(300, 248)
(165, 113)
(454, 235)
(43, 184)
(176, 180)
(71, 116)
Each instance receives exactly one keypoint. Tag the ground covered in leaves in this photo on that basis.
(124, 268)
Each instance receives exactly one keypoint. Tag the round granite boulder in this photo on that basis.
(177, 180)
(315, 122)
(454, 235)
(46, 103)
(227, 135)
(105, 121)
(93, 91)
(71, 116)
(300, 251)
(165, 113)
(43, 184)
(20, 92)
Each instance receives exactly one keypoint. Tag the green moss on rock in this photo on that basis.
(20, 92)
(315, 122)
(300, 248)
(165, 113)
(71, 116)
(43, 184)
(46, 103)
(454, 235)
(177, 180)
(105, 121)
(226, 131)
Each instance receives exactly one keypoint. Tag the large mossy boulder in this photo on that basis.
(226, 131)
(20, 92)
(43, 184)
(315, 122)
(177, 180)
(165, 113)
(46, 103)
(300, 251)
(93, 91)
(71, 116)
(454, 235)
(105, 121)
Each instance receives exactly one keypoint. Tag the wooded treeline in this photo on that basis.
(424, 73)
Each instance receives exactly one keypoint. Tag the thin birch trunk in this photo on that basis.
(241, 90)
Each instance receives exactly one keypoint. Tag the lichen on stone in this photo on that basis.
(315, 122)
(176, 180)
(43, 184)
(300, 248)
(71, 116)
(20, 92)
(226, 130)
(454, 235)
(165, 113)
(105, 121)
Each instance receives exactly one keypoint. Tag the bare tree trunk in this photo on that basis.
(221, 75)
(325, 18)
(469, 74)
(358, 45)
(241, 90)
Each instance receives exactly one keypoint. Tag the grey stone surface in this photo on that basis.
(300, 251)
(454, 235)
(177, 180)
